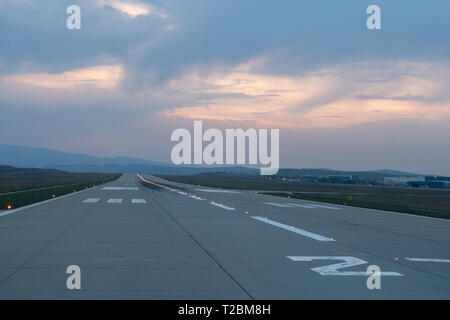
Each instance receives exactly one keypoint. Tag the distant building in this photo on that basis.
(340, 177)
(437, 182)
(434, 182)
(308, 178)
(402, 181)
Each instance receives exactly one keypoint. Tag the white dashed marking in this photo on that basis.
(326, 207)
(300, 205)
(277, 204)
(221, 206)
(138, 201)
(305, 233)
(306, 206)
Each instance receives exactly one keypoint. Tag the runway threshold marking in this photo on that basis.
(91, 200)
(305, 233)
(428, 260)
(138, 201)
(115, 201)
(335, 269)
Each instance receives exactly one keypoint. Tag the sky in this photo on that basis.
(344, 97)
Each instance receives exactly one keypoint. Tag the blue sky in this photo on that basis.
(343, 96)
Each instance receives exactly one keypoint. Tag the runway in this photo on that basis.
(142, 237)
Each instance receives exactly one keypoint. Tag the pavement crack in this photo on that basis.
(209, 254)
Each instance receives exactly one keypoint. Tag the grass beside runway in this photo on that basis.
(22, 187)
(380, 201)
(425, 202)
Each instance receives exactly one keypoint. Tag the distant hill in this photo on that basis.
(7, 169)
(31, 157)
(155, 169)
(396, 173)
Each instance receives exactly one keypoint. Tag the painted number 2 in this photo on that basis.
(335, 269)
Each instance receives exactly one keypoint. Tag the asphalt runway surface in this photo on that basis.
(142, 237)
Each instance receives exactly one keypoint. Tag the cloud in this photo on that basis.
(133, 8)
(334, 97)
(104, 77)
(407, 97)
(310, 69)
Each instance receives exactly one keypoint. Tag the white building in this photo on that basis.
(401, 181)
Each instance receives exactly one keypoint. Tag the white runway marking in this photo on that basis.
(305, 233)
(306, 206)
(120, 188)
(428, 260)
(326, 207)
(115, 201)
(277, 204)
(300, 205)
(91, 200)
(138, 201)
(217, 191)
(196, 198)
(334, 269)
(221, 206)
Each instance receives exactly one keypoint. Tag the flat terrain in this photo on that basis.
(20, 187)
(17, 179)
(427, 202)
(162, 240)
